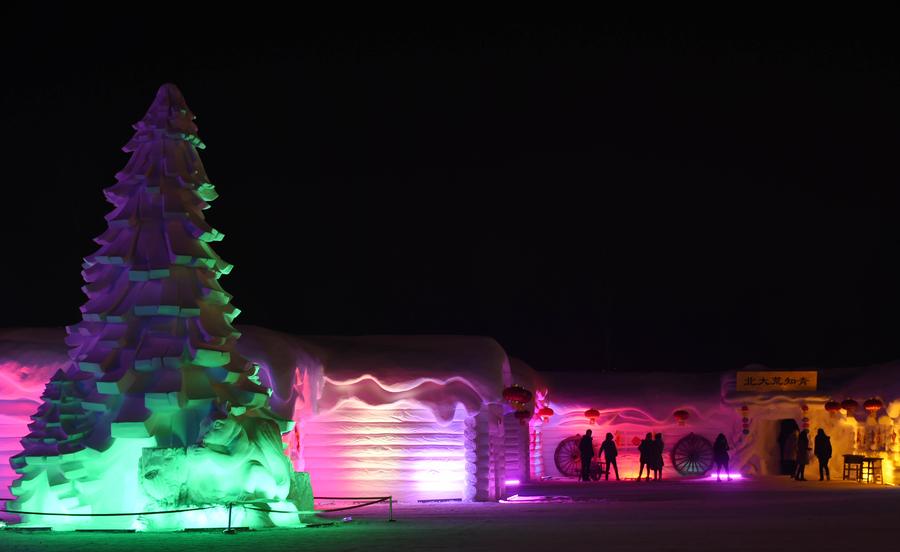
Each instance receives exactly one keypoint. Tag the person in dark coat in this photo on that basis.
(720, 456)
(658, 448)
(609, 450)
(586, 447)
(790, 453)
(802, 455)
(822, 450)
(646, 449)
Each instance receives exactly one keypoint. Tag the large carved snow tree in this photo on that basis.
(158, 408)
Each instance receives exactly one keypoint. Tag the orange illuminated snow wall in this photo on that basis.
(628, 425)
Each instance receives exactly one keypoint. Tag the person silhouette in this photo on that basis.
(789, 453)
(720, 456)
(646, 448)
(822, 450)
(609, 450)
(802, 455)
(586, 448)
(658, 447)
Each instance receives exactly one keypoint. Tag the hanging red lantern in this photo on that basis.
(523, 416)
(681, 416)
(873, 405)
(745, 420)
(850, 406)
(833, 407)
(592, 414)
(545, 412)
(517, 396)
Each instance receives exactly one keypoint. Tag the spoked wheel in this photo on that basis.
(692, 455)
(568, 457)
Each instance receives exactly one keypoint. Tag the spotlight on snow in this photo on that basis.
(724, 477)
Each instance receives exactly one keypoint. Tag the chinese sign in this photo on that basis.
(776, 381)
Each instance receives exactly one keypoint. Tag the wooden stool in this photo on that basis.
(871, 471)
(853, 467)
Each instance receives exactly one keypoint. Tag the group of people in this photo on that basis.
(651, 449)
(797, 448)
(651, 456)
(607, 448)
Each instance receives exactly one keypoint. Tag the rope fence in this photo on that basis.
(246, 505)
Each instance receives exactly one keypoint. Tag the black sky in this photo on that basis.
(663, 197)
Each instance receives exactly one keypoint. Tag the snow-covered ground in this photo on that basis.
(768, 514)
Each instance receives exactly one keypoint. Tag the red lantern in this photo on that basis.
(745, 420)
(635, 440)
(850, 406)
(873, 405)
(832, 407)
(517, 396)
(592, 414)
(523, 416)
(545, 413)
(681, 416)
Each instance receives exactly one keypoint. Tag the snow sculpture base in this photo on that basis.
(179, 478)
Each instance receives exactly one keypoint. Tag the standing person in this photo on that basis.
(822, 451)
(658, 447)
(802, 455)
(646, 449)
(609, 450)
(789, 453)
(720, 456)
(586, 448)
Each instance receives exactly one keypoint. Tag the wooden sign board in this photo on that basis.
(766, 382)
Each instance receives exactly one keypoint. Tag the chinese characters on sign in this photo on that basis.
(776, 381)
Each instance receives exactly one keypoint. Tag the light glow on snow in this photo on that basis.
(400, 449)
(397, 387)
(724, 477)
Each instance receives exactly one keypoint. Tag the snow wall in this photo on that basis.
(422, 418)
(629, 405)
(418, 418)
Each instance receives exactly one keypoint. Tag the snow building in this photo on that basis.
(426, 418)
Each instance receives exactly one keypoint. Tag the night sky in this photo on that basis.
(609, 196)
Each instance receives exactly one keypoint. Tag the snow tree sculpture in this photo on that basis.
(155, 370)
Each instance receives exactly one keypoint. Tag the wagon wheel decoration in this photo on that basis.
(568, 457)
(692, 455)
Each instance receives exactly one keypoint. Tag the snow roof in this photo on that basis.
(393, 360)
(859, 382)
(657, 393)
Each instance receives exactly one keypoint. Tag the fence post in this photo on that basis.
(229, 531)
(391, 509)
